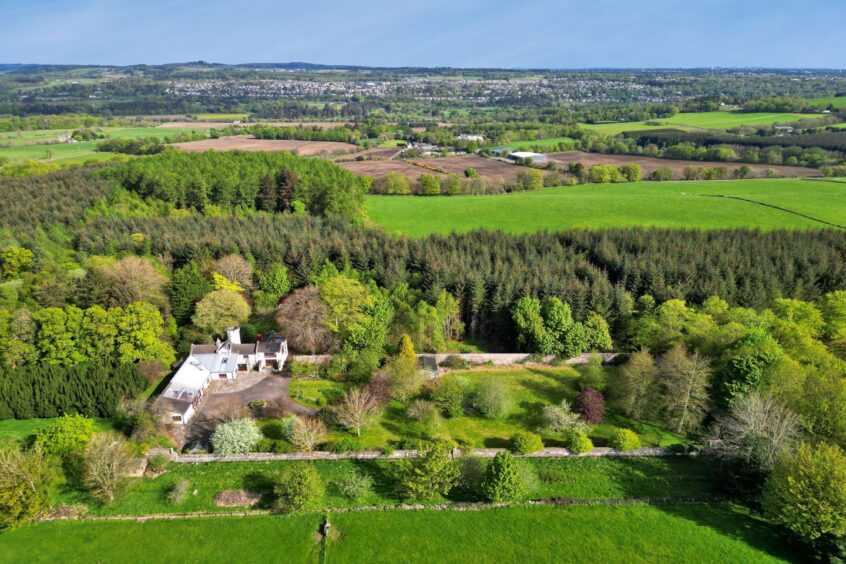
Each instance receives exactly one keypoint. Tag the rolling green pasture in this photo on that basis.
(40, 145)
(632, 534)
(701, 120)
(662, 204)
(836, 101)
(547, 143)
(530, 389)
(220, 117)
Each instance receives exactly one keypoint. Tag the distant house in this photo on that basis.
(523, 155)
(220, 361)
(471, 137)
(782, 129)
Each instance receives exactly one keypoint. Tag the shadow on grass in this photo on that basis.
(260, 483)
(741, 523)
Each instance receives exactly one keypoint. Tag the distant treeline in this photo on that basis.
(828, 140)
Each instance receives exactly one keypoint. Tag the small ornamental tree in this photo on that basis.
(624, 439)
(590, 405)
(298, 488)
(806, 491)
(561, 419)
(307, 433)
(220, 309)
(431, 473)
(403, 372)
(449, 396)
(492, 399)
(503, 480)
(525, 442)
(66, 436)
(105, 462)
(25, 482)
(239, 436)
(357, 410)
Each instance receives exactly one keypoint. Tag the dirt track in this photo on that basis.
(649, 164)
(249, 143)
(486, 168)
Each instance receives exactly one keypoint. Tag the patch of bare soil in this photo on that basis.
(250, 143)
(237, 498)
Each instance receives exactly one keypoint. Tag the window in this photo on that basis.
(177, 418)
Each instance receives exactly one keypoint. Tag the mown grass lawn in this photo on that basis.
(255, 539)
(687, 205)
(684, 533)
(690, 533)
(578, 478)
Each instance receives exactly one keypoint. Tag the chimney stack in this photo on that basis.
(233, 334)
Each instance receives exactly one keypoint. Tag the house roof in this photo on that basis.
(527, 155)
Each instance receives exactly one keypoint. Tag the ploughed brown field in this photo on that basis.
(249, 143)
(650, 164)
(369, 154)
(487, 168)
(220, 124)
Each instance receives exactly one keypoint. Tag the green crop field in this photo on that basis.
(700, 120)
(220, 117)
(632, 534)
(667, 204)
(836, 101)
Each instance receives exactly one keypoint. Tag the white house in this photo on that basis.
(220, 361)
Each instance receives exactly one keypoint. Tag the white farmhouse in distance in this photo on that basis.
(220, 361)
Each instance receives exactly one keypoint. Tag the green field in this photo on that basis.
(632, 534)
(548, 143)
(667, 204)
(40, 145)
(220, 117)
(701, 120)
(837, 101)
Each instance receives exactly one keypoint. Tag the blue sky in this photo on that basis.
(457, 33)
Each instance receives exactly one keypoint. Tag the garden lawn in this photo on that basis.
(689, 533)
(690, 205)
(530, 389)
(577, 478)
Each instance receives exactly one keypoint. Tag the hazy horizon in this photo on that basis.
(546, 34)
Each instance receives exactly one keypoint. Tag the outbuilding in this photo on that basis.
(525, 155)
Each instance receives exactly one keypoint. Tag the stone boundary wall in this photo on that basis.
(497, 359)
(398, 454)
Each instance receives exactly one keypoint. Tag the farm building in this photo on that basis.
(501, 152)
(471, 137)
(523, 155)
(220, 361)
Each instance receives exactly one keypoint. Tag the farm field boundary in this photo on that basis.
(776, 208)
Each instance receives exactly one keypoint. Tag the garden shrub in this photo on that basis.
(239, 436)
(525, 442)
(274, 429)
(257, 405)
(448, 395)
(590, 405)
(471, 472)
(624, 439)
(66, 436)
(492, 399)
(178, 492)
(353, 485)
(433, 472)
(579, 443)
(421, 410)
(345, 444)
(158, 463)
(503, 480)
(298, 488)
